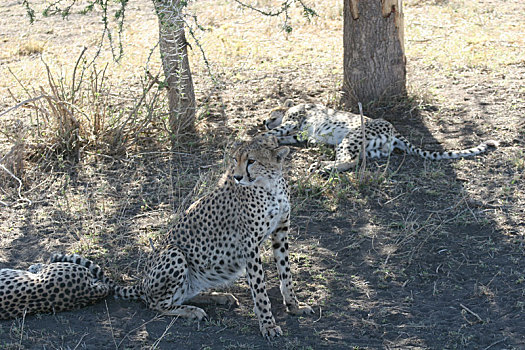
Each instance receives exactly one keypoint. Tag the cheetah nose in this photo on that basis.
(237, 177)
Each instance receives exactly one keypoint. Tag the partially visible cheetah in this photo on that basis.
(219, 238)
(316, 123)
(66, 282)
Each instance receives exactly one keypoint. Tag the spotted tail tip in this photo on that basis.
(56, 257)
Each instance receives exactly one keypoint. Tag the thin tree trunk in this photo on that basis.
(173, 51)
(374, 52)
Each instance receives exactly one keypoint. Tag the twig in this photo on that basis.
(471, 312)
(80, 341)
(110, 326)
(22, 329)
(21, 104)
(19, 82)
(284, 8)
(73, 90)
(320, 314)
(19, 184)
(151, 244)
(363, 143)
(201, 49)
(168, 327)
(495, 343)
(155, 318)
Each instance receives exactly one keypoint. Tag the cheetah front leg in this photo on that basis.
(286, 133)
(262, 307)
(346, 154)
(280, 253)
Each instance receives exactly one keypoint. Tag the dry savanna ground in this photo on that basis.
(417, 255)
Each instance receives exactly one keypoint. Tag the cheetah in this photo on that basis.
(219, 239)
(65, 283)
(316, 123)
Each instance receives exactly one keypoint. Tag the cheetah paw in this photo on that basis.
(300, 309)
(189, 312)
(271, 332)
(227, 299)
(196, 314)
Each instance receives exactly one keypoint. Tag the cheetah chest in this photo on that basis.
(278, 210)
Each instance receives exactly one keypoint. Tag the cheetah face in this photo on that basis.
(276, 118)
(258, 161)
(35, 268)
(277, 115)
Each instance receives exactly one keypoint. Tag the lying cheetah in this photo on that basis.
(319, 124)
(219, 238)
(65, 283)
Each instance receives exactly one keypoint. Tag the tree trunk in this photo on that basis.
(374, 52)
(174, 55)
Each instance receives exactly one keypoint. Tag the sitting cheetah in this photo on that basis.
(219, 238)
(319, 124)
(65, 283)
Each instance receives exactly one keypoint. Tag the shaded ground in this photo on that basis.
(420, 255)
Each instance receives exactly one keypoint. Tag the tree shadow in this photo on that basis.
(437, 264)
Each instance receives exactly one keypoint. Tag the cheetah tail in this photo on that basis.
(406, 146)
(128, 292)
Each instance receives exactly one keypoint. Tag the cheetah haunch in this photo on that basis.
(316, 123)
(219, 237)
(65, 283)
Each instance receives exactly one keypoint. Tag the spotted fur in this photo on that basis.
(66, 282)
(319, 124)
(218, 239)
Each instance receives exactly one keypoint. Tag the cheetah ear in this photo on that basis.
(288, 103)
(236, 144)
(281, 153)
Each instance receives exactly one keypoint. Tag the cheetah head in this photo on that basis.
(276, 115)
(36, 268)
(258, 161)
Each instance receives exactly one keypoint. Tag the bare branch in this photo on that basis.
(21, 104)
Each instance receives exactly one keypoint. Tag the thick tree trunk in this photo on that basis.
(374, 52)
(173, 51)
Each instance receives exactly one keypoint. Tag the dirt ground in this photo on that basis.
(418, 255)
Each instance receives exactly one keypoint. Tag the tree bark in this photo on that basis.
(374, 52)
(174, 55)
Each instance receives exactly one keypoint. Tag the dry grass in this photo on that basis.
(31, 47)
(464, 35)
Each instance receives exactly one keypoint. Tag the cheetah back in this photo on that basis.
(53, 287)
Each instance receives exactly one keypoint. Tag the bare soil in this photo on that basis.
(419, 255)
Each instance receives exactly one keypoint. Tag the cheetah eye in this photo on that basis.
(251, 161)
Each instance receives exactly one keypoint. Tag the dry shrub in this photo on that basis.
(31, 47)
(12, 164)
(79, 113)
